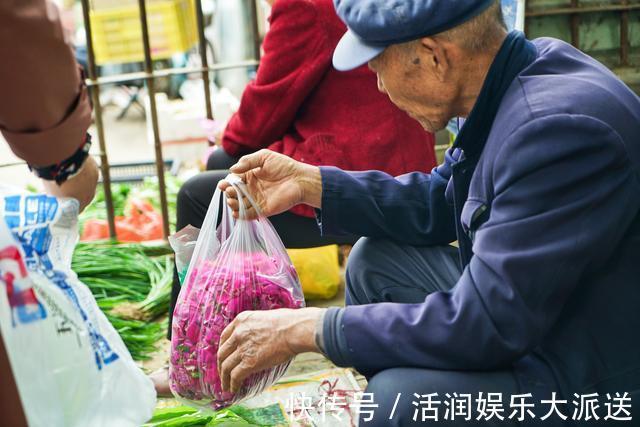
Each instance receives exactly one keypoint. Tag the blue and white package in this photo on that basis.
(70, 365)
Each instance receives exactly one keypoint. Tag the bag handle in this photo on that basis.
(241, 188)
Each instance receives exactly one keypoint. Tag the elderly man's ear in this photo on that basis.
(435, 57)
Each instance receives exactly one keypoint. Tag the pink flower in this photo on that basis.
(216, 294)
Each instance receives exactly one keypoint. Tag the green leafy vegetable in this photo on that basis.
(234, 416)
(97, 209)
(149, 190)
(162, 414)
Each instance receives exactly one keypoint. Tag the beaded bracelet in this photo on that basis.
(63, 170)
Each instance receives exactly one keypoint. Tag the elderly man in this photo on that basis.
(541, 191)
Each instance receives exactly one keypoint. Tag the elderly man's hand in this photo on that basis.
(258, 340)
(276, 183)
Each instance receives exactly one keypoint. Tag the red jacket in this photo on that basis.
(299, 105)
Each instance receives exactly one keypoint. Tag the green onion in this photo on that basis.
(112, 271)
(130, 287)
(159, 296)
(141, 338)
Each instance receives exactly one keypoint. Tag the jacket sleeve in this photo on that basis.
(296, 57)
(410, 208)
(565, 193)
(45, 110)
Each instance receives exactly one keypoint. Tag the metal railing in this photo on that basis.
(575, 10)
(149, 75)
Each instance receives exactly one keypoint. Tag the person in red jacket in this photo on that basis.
(300, 106)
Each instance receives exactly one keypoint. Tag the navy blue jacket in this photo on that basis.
(552, 214)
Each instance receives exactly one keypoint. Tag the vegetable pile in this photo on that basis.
(97, 209)
(122, 193)
(131, 287)
(150, 191)
(216, 292)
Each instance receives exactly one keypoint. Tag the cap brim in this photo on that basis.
(351, 52)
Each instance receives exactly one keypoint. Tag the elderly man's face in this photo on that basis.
(413, 82)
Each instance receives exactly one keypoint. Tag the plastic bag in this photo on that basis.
(183, 244)
(141, 223)
(70, 365)
(319, 270)
(239, 265)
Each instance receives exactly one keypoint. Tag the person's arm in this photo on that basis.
(44, 110)
(564, 194)
(277, 182)
(296, 57)
(411, 208)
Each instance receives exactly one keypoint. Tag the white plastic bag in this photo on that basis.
(236, 266)
(70, 365)
(183, 244)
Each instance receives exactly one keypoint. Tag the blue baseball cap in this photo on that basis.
(373, 25)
